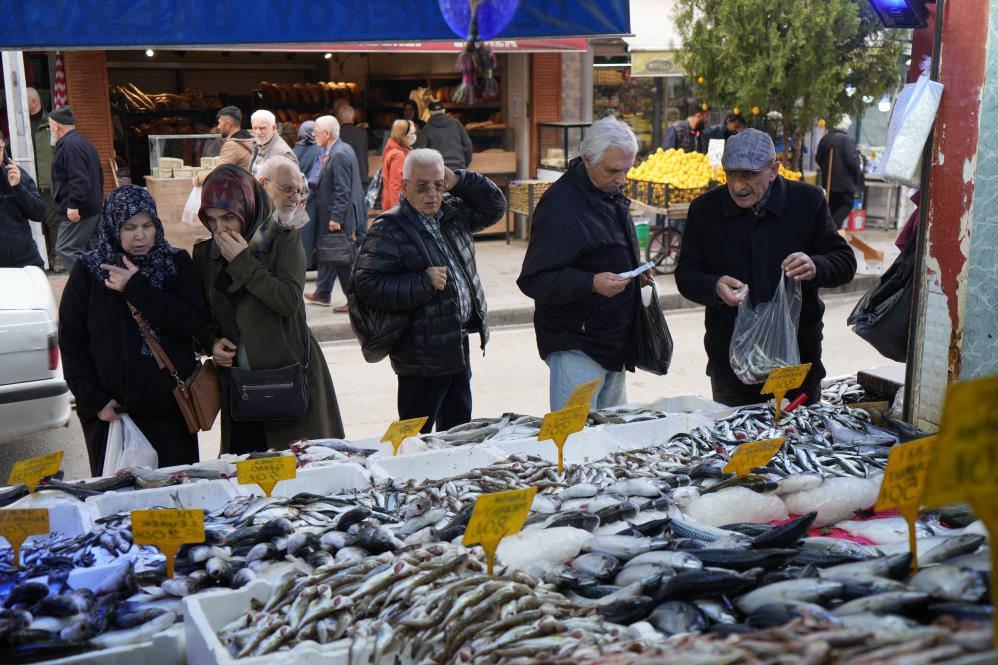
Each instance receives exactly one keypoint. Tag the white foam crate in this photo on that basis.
(165, 648)
(434, 464)
(644, 433)
(687, 404)
(68, 516)
(589, 445)
(208, 495)
(334, 478)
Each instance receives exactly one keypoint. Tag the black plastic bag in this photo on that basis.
(378, 330)
(652, 339)
(882, 317)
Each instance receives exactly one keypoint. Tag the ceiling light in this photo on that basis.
(150, 53)
(328, 56)
(901, 13)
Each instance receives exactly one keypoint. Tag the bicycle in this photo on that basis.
(664, 242)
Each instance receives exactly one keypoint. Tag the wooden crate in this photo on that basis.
(525, 194)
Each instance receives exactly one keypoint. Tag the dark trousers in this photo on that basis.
(309, 232)
(327, 277)
(840, 204)
(50, 227)
(167, 433)
(445, 400)
(76, 238)
(733, 392)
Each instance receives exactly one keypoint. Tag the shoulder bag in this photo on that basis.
(270, 394)
(199, 396)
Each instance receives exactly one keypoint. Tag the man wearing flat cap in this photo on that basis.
(77, 188)
(747, 234)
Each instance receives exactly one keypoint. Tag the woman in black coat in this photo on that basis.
(106, 361)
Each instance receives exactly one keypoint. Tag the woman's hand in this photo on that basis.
(230, 244)
(223, 352)
(117, 277)
(108, 413)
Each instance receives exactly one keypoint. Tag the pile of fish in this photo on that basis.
(840, 391)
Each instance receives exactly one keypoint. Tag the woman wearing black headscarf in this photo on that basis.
(306, 149)
(106, 361)
(253, 272)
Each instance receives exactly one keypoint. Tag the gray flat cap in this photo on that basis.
(748, 150)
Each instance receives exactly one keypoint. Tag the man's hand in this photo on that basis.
(731, 291)
(438, 275)
(450, 179)
(13, 175)
(800, 267)
(230, 244)
(223, 352)
(117, 277)
(609, 284)
(72, 214)
(646, 278)
(334, 226)
(108, 414)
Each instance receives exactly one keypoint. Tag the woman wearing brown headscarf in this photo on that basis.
(253, 273)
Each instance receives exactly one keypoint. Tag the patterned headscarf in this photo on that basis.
(121, 205)
(232, 188)
(306, 133)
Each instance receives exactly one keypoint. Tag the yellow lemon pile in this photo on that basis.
(721, 177)
(681, 170)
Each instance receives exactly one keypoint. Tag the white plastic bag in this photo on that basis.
(911, 121)
(190, 215)
(765, 336)
(127, 447)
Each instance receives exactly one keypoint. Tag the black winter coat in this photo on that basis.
(77, 176)
(578, 231)
(390, 274)
(17, 206)
(722, 239)
(847, 168)
(448, 137)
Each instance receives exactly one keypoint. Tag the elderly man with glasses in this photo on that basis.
(741, 239)
(419, 259)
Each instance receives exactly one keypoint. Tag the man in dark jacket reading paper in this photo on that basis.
(740, 239)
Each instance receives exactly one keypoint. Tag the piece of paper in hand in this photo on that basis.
(637, 271)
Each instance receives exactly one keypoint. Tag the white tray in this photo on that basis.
(166, 648)
(68, 516)
(434, 464)
(591, 444)
(208, 495)
(646, 433)
(331, 479)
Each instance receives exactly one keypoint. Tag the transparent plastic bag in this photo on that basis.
(127, 448)
(765, 335)
(911, 121)
(190, 215)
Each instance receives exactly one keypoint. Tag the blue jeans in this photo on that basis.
(571, 368)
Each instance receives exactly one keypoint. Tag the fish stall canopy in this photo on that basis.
(129, 23)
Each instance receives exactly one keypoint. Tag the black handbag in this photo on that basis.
(270, 394)
(652, 339)
(336, 248)
(882, 316)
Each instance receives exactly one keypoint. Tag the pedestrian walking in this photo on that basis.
(419, 259)
(252, 271)
(237, 144)
(268, 141)
(582, 237)
(339, 211)
(106, 360)
(844, 178)
(77, 187)
(20, 202)
(447, 136)
(355, 137)
(400, 143)
(750, 233)
(305, 148)
(41, 141)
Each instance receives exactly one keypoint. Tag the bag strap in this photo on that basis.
(158, 353)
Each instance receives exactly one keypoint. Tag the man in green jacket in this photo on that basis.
(42, 141)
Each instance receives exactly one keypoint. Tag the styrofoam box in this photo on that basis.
(591, 444)
(165, 648)
(687, 404)
(68, 516)
(644, 433)
(434, 464)
(209, 495)
(410, 446)
(332, 479)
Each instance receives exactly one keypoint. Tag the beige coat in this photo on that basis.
(234, 151)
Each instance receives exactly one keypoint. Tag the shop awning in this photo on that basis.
(497, 46)
(67, 24)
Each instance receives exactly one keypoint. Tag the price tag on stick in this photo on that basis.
(400, 430)
(784, 379)
(267, 471)
(16, 524)
(559, 425)
(986, 507)
(30, 471)
(752, 455)
(904, 483)
(167, 530)
(496, 516)
(583, 394)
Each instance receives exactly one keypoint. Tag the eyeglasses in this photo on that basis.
(425, 187)
(289, 191)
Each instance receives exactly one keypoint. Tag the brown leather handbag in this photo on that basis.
(199, 396)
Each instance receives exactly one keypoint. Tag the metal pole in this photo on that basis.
(19, 122)
(656, 130)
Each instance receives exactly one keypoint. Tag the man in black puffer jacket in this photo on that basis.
(420, 258)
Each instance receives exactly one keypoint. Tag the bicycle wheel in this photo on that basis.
(663, 249)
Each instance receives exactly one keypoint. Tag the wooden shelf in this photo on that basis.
(447, 105)
(420, 77)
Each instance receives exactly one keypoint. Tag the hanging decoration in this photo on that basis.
(59, 92)
(477, 21)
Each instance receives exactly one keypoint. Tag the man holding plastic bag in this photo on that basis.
(755, 254)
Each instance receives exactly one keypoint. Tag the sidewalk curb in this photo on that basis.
(516, 316)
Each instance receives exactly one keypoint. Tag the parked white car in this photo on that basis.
(33, 394)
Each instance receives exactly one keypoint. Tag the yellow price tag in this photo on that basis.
(904, 483)
(267, 471)
(400, 430)
(559, 425)
(784, 379)
(167, 530)
(965, 463)
(496, 516)
(752, 455)
(16, 524)
(30, 471)
(583, 394)
(986, 507)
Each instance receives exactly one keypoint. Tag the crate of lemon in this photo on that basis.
(674, 176)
